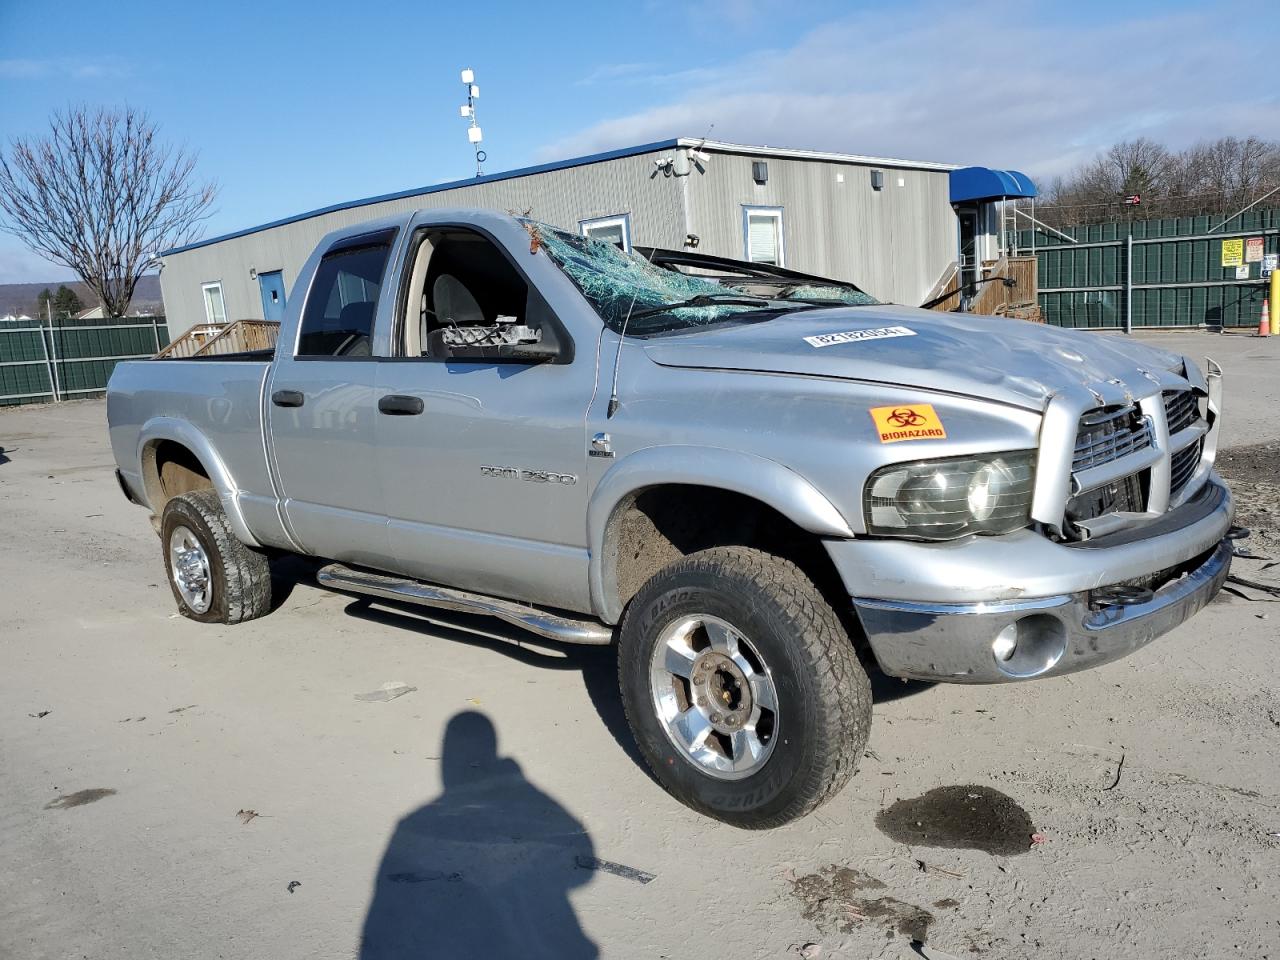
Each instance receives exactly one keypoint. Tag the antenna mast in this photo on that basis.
(468, 112)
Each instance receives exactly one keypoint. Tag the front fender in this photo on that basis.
(183, 432)
(764, 480)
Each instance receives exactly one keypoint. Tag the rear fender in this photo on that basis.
(181, 431)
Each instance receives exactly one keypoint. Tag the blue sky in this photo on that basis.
(294, 105)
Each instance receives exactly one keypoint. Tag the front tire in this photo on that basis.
(742, 688)
(214, 577)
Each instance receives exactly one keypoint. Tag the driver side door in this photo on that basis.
(482, 460)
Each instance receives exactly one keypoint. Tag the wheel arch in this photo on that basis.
(167, 439)
(755, 482)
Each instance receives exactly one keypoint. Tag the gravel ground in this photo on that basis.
(169, 789)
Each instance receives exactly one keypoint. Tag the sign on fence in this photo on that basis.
(1269, 263)
(1233, 252)
(1253, 250)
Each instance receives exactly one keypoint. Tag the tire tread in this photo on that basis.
(246, 574)
(843, 713)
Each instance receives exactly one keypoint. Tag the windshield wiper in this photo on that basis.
(702, 300)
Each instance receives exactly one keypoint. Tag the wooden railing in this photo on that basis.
(945, 294)
(210, 339)
(1018, 299)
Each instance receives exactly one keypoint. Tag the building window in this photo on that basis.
(762, 235)
(615, 230)
(215, 309)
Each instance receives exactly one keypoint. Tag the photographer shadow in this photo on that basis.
(484, 869)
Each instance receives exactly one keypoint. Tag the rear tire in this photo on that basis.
(214, 577)
(742, 688)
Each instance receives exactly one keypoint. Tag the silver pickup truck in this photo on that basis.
(754, 481)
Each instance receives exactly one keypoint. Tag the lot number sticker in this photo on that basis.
(857, 336)
(911, 421)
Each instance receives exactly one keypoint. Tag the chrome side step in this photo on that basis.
(535, 620)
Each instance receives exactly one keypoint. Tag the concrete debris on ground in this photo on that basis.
(388, 691)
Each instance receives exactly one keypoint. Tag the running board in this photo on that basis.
(553, 626)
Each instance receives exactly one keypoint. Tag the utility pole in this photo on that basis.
(468, 111)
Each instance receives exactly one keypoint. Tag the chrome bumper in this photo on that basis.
(1049, 636)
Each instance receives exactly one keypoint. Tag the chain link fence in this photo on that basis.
(71, 359)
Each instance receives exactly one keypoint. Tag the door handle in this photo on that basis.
(287, 398)
(398, 405)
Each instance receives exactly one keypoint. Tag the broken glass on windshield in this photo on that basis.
(618, 283)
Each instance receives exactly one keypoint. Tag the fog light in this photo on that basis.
(1006, 642)
(1030, 646)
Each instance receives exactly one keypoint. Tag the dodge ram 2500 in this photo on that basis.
(753, 481)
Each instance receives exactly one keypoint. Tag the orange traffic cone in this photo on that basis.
(1264, 323)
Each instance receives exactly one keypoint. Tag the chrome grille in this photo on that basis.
(1108, 434)
(1182, 465)
(1181, 409)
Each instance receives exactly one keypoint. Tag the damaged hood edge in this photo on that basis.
(1016, 362)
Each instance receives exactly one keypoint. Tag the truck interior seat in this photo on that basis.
(455, 304)
(355, 325)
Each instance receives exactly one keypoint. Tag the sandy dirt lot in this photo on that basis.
(169, 789)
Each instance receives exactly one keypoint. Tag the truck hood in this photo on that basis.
(1010, 361)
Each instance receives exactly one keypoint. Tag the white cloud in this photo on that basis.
(20, 265)
(611, 72)
(936, 82)
(109, 68)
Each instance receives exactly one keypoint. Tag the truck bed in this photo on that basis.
(208, 397)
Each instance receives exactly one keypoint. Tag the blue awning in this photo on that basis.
(983, 183)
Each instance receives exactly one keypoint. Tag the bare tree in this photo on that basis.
(101, 195)
(1217, 177)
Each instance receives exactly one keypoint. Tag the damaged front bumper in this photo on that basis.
(1101, 610)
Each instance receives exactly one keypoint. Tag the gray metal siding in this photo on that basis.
(894, 243)
(560, 197)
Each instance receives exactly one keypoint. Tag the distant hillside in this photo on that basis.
(20, 298)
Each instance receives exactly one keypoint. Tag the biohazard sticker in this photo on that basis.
(914, 421)
(857, 336)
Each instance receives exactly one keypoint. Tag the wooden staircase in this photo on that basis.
(1010, 289)
(212, 339)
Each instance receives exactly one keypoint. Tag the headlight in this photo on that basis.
(945, 499)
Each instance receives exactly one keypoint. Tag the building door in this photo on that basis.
(272, 287)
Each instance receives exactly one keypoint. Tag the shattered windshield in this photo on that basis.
(618, 283)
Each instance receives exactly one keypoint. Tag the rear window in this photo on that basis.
(338, 319)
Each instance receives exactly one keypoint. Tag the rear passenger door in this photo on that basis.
(321, 407)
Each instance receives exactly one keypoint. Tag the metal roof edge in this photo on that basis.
(435, 188)
(800, 154)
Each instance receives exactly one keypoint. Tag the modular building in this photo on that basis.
(887, 225)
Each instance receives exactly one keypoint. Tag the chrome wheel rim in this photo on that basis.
(714, 696)
(189, 567)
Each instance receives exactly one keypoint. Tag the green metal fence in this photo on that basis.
(1171, 275)
(70, 359)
